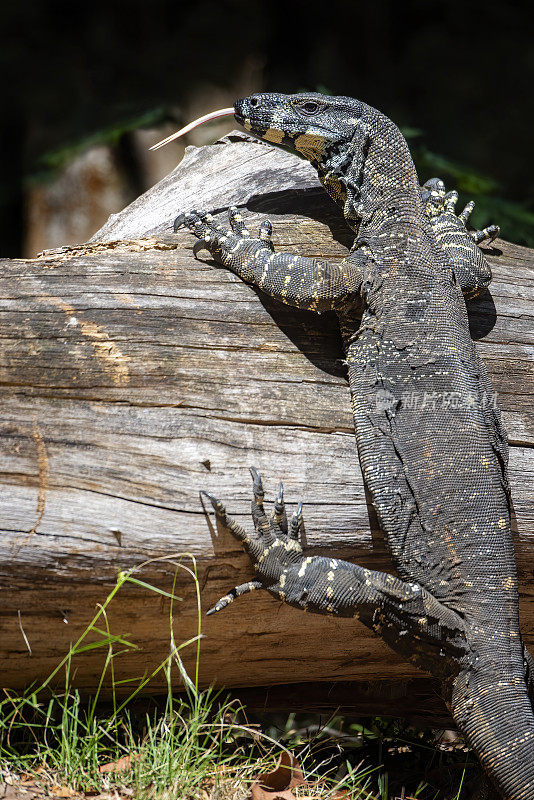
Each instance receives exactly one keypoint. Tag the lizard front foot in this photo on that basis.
(233, 247)
(438, 202)
(459, 244)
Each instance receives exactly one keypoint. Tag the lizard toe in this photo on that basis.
(296, 527)
(466, 213)
(433, 194)
(278, 519)
(490, 234)
(237, 222)
(265, 233)
(450, 200)
(217, 505)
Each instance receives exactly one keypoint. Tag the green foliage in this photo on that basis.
(53, 160)
(465, 179)
(515, 220)
(192, 746)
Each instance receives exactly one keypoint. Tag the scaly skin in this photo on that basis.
(431, 444)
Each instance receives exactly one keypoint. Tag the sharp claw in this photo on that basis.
(201, 244)
(494, 232)
(218, 507)
(219, 605)
(296, 523)
(279, 502)
(179, 221)
(257, 485)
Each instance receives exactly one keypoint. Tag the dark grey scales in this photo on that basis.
(431, 444)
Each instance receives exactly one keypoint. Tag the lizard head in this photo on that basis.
(318, 127)
(309, 123)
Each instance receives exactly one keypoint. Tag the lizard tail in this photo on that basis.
(495, 713)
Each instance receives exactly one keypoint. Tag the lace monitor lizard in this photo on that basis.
(436, 470)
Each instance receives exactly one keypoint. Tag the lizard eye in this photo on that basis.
(310, 107)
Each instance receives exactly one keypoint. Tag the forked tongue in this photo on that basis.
(222, 112)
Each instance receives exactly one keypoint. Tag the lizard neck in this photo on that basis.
(382, 188)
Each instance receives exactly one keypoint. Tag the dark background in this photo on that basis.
(460, 73)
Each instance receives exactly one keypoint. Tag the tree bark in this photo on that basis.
(134, 375)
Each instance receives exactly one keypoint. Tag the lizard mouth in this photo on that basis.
(239, 117)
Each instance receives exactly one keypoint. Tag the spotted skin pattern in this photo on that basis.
(430, 440)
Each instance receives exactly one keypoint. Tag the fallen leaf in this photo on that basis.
(105, 796)
(61, 791)
(9, 792)
(341, 795)
(257, 793)
(277, 785)
(121, 765)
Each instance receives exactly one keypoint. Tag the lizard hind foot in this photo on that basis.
(274, 547)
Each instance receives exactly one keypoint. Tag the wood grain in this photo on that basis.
(133, 376)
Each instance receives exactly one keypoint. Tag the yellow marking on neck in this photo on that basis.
(273, 135)
(310, 145)
(334, 187)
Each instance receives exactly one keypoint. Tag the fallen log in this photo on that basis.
(134, 375)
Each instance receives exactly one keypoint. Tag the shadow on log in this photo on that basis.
(134, 375)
